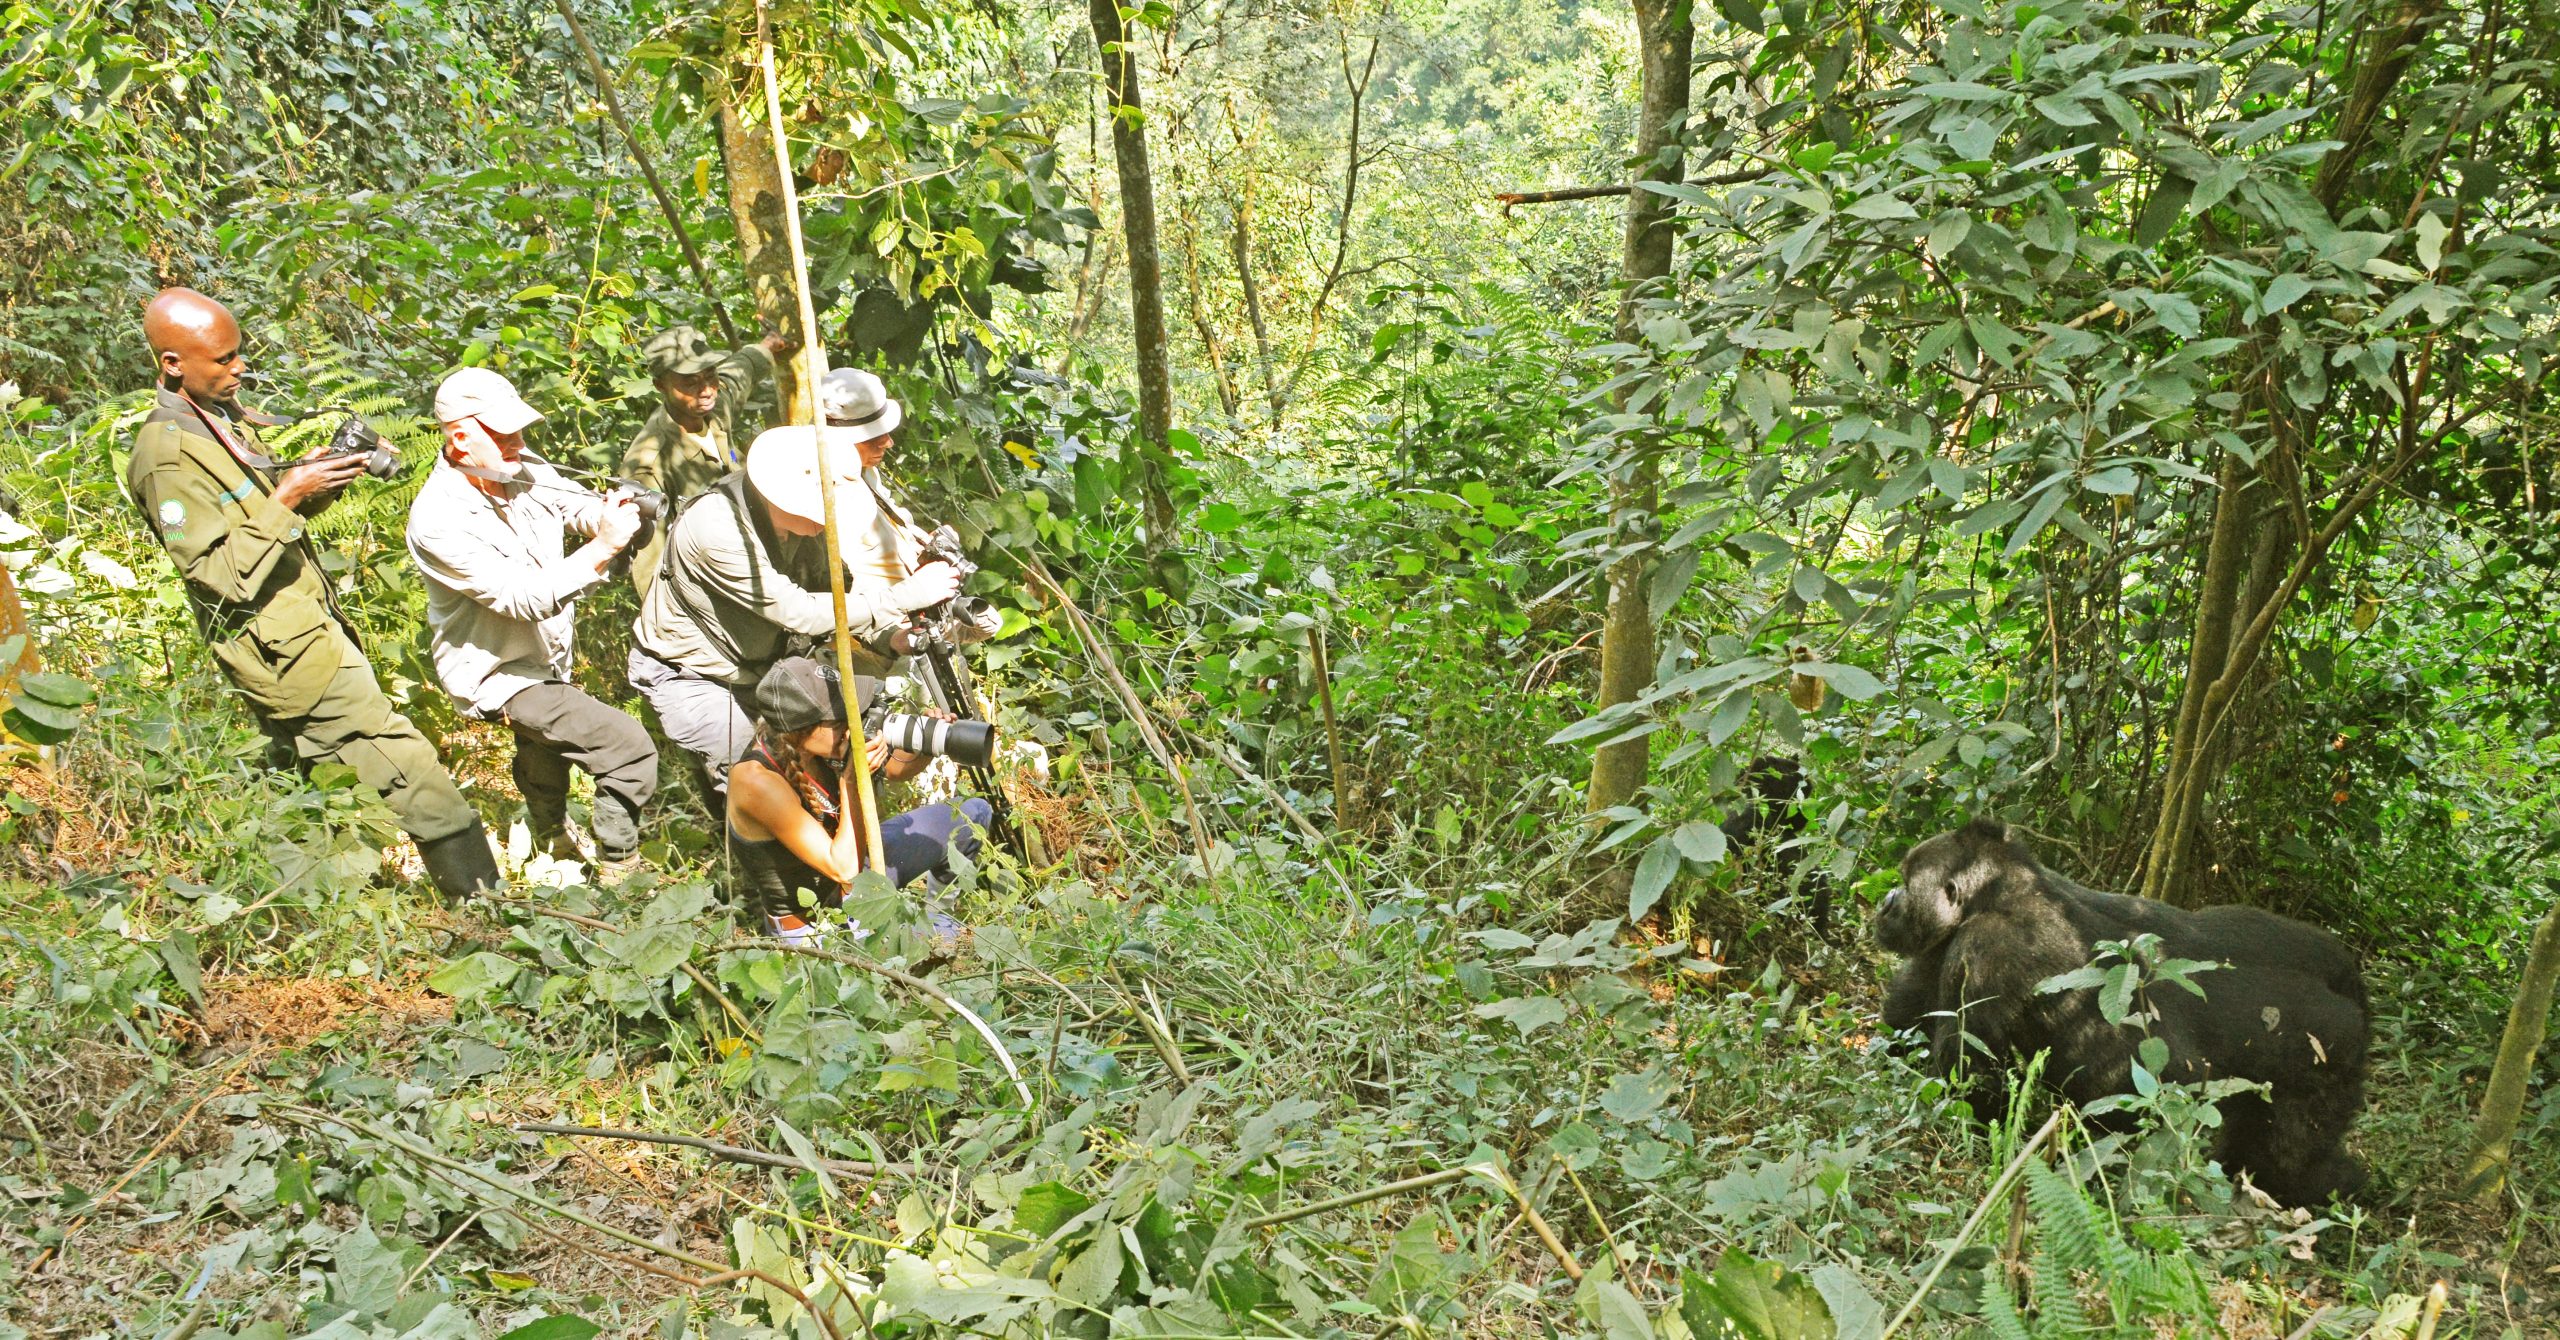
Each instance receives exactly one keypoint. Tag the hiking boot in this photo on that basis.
(792, 930)
(611, 873)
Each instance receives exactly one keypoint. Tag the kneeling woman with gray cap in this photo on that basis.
(786, 826)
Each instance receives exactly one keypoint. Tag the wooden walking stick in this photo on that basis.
(648, 170)
(857, 797)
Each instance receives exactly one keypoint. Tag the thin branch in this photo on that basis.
(648, 170)
(730, 1153)
(1558, 196)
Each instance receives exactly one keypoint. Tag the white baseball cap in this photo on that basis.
(858, 399)
(486, 395)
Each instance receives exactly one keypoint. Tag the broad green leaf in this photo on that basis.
(1607, 1306)
(1881, 207)
(1653, 875)
(1700, 841)
(1961, 91)
(1636, 1097)
(2282, 292)
(1849, 681)
(1753, 1300)
(475, 976)
(1047, 1205)
(2063, 111)
(1220, 518)
(1526, 1013)
(564, 1326)
(56, 690)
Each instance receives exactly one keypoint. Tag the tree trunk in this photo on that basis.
(2208, 656)
(2222, 655)
(1626, 638)
(1146, 270)
(1253, 300)
(2502, 1107)
(755, 202)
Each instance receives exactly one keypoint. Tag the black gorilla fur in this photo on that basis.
(1980, 922)
(1768, 819)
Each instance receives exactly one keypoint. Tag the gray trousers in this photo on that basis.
(710, 720)
(557, 725)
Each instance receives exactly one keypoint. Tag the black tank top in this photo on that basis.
(771, 876)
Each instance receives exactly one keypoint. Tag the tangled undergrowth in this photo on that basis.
(1303, 1091)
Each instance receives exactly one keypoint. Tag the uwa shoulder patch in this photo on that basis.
(173, 514)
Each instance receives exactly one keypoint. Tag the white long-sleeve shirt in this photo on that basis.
(502, 590)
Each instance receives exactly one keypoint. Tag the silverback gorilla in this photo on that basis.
(1980, 922)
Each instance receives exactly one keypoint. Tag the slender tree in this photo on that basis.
(2264, 543)
(2528, 1021)
(1146, 268)
(1667, 33)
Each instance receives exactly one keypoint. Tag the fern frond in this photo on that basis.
(2001, 1319)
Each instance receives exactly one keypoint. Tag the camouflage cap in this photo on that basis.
(679, 350)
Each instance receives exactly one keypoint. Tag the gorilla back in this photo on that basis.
(1980, 923)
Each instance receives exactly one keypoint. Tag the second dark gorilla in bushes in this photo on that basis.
(1980, 922)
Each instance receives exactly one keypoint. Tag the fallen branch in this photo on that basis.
(1558, 196)
(729, 1153)
(1488, 1171)
(909, 980)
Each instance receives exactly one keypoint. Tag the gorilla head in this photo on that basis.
(1943, 876)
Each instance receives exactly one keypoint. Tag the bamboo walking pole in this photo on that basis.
(857, 798)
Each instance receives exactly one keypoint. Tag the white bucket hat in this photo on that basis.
(860, 402)
(782, 467)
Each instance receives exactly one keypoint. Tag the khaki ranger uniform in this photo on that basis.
(678, 464)
(266, 610)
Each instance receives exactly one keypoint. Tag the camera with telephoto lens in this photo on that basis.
(355, 437)
(971, 744)
(941, 623)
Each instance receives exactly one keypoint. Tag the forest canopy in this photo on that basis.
(1498, 526)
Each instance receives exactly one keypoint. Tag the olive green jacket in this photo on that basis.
(259, 592)
(659, 459)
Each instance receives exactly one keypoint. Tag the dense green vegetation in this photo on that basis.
(2129, 421)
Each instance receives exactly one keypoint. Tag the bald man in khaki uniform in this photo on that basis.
(232, 520)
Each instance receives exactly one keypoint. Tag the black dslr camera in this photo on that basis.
(355, 437)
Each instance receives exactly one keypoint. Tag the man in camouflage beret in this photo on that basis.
(232, 520)
(696, 437)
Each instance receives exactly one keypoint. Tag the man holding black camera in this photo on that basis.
(489, 529)
(883, 545)
(692, 441)
(744, 581)
(232, 521)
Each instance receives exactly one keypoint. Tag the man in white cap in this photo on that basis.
(744, 582)
(489, 530)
